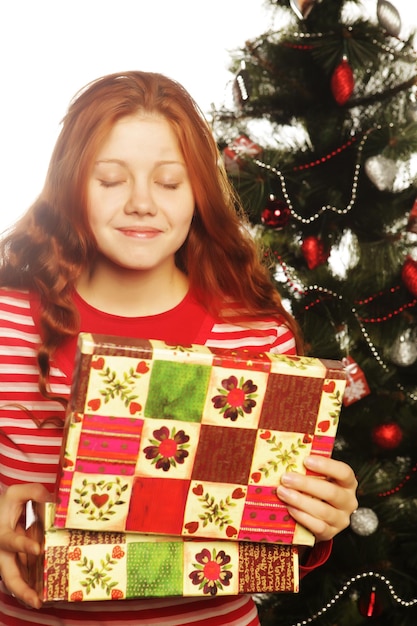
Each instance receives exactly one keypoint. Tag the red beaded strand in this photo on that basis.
(322, 160)
(396, 489)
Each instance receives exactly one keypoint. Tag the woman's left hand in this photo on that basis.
(323, 503)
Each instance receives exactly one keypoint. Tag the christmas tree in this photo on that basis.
(319, 142)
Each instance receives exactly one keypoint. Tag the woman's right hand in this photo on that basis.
(15, 546)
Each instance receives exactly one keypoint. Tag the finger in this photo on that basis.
(332, 493)
(13, 542)
(14, 500)
(330, 468)
(320, 528)
(16, 585)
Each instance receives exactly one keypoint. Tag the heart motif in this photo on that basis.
(256, 477)
(142, 367)
(94, 404)
(238, 493)
(192, 527)
(75, 555)
(307, 438)
(67, 463)
(117, 552)
(134, 407)
(99, 500)
(98, 364)
(231, 531)
(324, 426)
(265, 435)
(198, 490)
(76, 596)
(329, 387)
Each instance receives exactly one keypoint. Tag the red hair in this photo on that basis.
(52, 244)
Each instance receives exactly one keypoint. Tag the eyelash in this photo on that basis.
(107, 184)
(169, 185)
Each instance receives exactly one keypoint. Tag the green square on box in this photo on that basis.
(177, 391)
(154, 569)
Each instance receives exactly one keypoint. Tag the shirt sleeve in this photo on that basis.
(316, 557)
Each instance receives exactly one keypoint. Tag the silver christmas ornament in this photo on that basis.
(388, 17)
(381, 171)
(404, 349)
(364, 522)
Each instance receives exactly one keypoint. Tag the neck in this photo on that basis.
(133, 294)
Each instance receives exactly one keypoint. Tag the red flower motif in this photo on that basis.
(168, 449)
(236, 397)
(211, 571)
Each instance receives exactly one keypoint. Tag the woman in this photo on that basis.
(135, 233)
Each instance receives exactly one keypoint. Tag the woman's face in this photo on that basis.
(140, 200)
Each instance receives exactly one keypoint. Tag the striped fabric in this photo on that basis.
(30, 442)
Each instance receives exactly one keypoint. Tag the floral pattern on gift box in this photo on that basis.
(96, 574)
(212, 571)
(216, 512)
(282, 458)
(235, 397)
(168, 448)
(121, 385)
(97, 500)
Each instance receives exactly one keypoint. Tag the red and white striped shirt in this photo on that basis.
(31, 436)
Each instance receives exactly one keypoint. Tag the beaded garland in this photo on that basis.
(332, 294)
(348, 584)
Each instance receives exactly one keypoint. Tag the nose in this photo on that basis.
(140, 200)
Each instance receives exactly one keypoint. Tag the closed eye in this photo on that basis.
(110, 183)
(168, 185)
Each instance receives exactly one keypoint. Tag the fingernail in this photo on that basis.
(287, 479)
(282, 492)
(311, 462)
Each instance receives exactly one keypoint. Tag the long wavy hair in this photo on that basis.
(52, 244)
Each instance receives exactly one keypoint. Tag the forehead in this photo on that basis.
(142, 128)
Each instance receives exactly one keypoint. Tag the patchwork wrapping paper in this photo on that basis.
(190, 441)
(81, 565)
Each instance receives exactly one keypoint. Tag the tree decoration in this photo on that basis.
(369, 604)
(237, 151)
(302, 8)
(276, 213)
(409, 275)
(387, 436)
(404, 349)
(364, 522)
(342, 82)
(412, 219)
(314, 251)
(356, 384)
(381, 171)
(241, 90)
(388, 17)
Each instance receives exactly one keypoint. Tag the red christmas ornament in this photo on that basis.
(314, 251)
(387, 436)
(409, 275)
(276, 214)
(342, 82)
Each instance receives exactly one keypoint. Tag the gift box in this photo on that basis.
(191, 441)
(81, 565)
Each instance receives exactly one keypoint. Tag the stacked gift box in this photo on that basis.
(170, 464)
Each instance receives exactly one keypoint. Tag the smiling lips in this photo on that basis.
(146, 232)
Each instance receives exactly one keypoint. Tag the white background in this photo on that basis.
(51, 48)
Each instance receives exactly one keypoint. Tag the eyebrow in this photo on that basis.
(124, 164)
